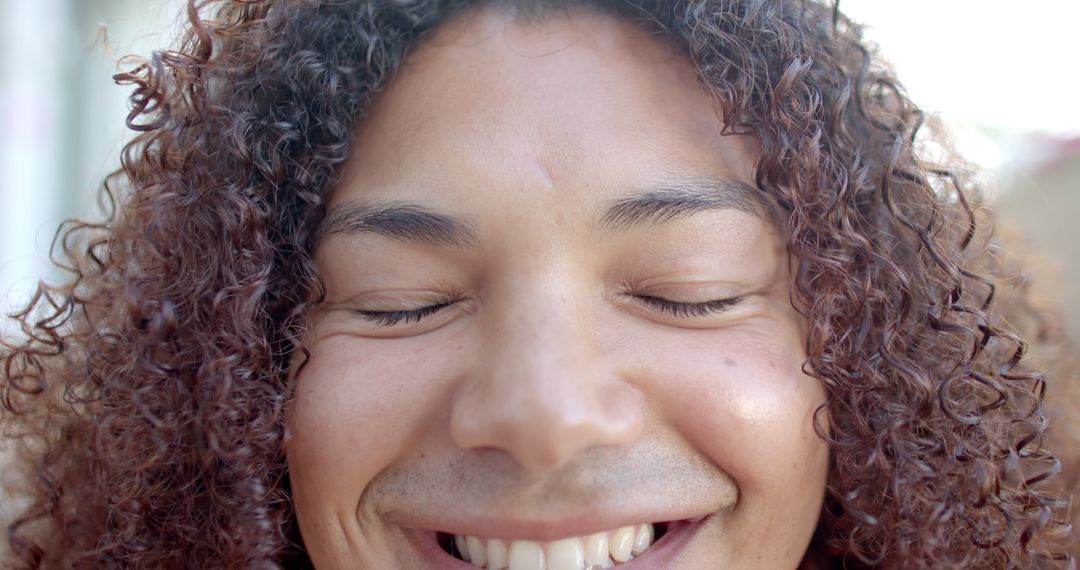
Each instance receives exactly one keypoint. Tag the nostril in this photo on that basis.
(543, 425)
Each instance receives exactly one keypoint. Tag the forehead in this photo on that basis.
(549, 103)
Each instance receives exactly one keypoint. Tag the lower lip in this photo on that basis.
(659, 555)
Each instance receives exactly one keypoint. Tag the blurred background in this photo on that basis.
(1003, 80)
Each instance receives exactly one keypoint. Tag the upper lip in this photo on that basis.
(539, 530)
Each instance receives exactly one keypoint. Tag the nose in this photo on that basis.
(541, 391)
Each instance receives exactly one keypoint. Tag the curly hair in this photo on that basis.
(144, 400)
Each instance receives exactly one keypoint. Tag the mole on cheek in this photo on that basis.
(730, 362)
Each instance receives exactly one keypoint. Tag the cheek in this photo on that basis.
(759, 431)
(740, 398)
(358, 409)
(753, 415)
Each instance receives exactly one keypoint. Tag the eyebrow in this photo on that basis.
(680, 199)
(412, 222)
(403, 221)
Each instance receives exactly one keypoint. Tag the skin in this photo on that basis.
(551, 398)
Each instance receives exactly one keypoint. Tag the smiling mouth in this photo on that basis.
(590, 552)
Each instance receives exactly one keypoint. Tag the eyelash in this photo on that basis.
(391, 318)
(689, 310)
(674, 308)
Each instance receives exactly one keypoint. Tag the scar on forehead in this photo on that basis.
(543, 172)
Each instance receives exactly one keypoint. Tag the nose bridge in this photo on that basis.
(540, 391)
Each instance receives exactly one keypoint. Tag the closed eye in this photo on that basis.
(674, 308)
(688, 310)
(391, 318)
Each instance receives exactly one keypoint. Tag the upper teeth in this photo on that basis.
(592, 552)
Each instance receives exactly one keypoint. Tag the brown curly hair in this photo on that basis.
(144, 401)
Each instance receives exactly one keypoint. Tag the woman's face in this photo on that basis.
(556, 311)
